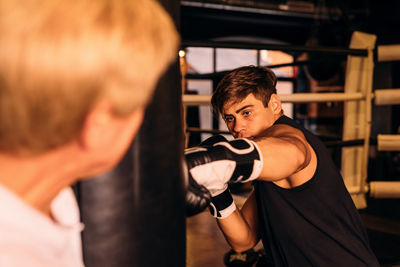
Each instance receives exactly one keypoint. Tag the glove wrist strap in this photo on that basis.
(222, 205)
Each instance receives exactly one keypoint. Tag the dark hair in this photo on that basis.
(240, 82)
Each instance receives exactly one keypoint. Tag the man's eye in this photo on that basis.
(228, 119)
(246, 113)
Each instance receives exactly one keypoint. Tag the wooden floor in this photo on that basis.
(206, 245)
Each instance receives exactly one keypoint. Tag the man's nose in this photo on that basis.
(239, 126)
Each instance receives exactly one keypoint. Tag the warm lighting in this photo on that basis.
(182, 53)
(264, 55)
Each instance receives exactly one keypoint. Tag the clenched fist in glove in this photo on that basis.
(217, 162)
(197, 196)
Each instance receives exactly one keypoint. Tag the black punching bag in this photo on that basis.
(134, 215)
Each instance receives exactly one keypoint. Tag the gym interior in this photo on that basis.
(333, 59)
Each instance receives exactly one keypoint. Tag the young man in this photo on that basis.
(300, 207)
(75, 77)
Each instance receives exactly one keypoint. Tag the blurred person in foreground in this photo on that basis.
(75, 78)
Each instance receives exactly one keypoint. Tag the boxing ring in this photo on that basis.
(358, 98)
(134, 215)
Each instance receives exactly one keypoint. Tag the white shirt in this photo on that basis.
(29, 238)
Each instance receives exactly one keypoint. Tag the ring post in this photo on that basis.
(357, 116)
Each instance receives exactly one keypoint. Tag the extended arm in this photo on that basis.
(285, 152)
(277, 154)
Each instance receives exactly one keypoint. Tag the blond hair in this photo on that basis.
(58, 58)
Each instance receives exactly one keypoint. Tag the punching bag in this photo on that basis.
(134, 215)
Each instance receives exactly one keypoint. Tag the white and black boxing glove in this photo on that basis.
(197, 196)
(223, 162)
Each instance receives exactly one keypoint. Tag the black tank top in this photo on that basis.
(316, 223)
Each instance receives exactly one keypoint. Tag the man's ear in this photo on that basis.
(276, 104)
(94, 125)
(101, 126)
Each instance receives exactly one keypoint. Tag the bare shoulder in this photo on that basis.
(283, 130)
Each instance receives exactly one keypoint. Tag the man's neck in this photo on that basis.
(277, 116)
(37, 180)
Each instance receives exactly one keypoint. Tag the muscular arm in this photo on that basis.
(285, 153)
(241, 227)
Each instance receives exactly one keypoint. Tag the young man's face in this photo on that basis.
(248, 118)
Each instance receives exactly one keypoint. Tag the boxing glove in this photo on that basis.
(197, 196)
(233, 161)
(220, 162)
